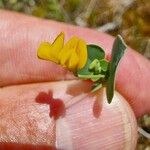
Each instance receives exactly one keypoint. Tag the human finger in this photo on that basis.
(73, 120)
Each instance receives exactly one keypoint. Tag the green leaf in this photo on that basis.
(117, 52)
(95, 52)
(95, 78)
(104, 64)
(91, 76)
(93, 64)
(85, 69)
(96, 87)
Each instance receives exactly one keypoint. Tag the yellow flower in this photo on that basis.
(72, 55)
(50, 51)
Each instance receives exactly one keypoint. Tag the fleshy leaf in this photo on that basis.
(95, 52)
(104, 64)
(117, 52)
(97, 77)
(91, 76)
(96, 87)
(93, 64)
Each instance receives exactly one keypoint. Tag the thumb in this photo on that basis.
(26, 124)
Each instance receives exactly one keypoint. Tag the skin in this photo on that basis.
(25, 121)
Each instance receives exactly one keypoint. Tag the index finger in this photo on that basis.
(20, 40)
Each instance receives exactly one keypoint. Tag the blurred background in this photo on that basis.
(129, 18)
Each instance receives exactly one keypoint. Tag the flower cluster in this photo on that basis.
(72, 55)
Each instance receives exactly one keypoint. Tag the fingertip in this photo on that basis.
(115, 128)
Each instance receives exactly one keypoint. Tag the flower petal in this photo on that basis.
(58, 44)
(73, 61)
(49, 51)
(64, 56)
(72, 43)
(66, 51)
(43, 50)
(82, 53)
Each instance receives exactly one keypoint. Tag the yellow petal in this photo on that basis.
(64, 56)
(43, 50)
(57, 45)
(51, 52)
(73, 61)
(82, 53)
(72, 43)
(66, 51)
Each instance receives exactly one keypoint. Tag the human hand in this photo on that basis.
(25, 123)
